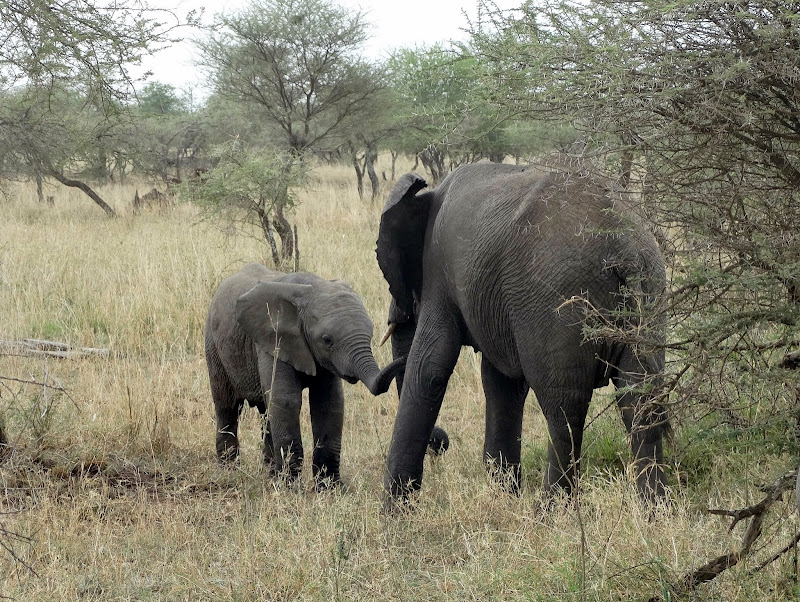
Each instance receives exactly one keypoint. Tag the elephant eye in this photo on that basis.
(327, 340)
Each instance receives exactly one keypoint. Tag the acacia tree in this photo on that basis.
(245, 183)
(445, 119)
(298, 62)
(168, 139)
(693, 106)
(54, 54)
(434, 87)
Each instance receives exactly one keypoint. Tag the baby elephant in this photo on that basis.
(269, 336)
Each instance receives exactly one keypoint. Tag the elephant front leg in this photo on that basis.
(284, 394)
(269, 446)
(227, 444)
(565, 412)
(227, 407)
(402, 339)
(326, 400)
(431, 361)
(505, 404)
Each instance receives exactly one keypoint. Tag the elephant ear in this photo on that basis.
(269, 313)
(401, 238)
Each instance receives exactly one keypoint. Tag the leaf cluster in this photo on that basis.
(66, 82)
(693, 106)
(298, 63)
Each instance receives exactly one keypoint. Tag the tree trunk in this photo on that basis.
(394, 160)
(359, 175)
(284, 230)
(39, 191)
(370, 156)
(86, 189)
(434, 163)
(267, 229)
(4, 447)
(626, 167)
(296, 250)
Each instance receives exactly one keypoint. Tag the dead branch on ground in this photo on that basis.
(48, 348)
(756, 513)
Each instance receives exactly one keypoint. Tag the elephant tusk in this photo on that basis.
(387, 334)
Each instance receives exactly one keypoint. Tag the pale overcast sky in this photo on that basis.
(395, 24)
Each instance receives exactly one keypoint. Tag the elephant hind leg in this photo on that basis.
(227, 444)
(227, 407)
(646, 422)
(565, 411)
(505, 404)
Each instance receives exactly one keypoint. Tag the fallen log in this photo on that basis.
(49, 348)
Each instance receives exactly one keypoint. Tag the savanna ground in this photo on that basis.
(116, 484)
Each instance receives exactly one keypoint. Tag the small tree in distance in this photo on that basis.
(252, 187)
(299, 62)
(65, 81)
(297, 66)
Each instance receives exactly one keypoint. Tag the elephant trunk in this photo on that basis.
(375, 379)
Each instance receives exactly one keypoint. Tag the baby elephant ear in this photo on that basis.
(269, 313)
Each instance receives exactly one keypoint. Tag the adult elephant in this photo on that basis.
(488, 259)
(269, 336)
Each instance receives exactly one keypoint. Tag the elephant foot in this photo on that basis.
(507, 476)
(286, 475)
(398, 505)
(286, 480)
(400, 495)
(562, 491)
(439, 441)
(326, 474)
(650, 482)
(227, 450)
(324, 483)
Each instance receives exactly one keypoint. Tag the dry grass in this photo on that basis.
(117, 484)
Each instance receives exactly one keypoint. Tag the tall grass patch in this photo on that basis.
(114, 479)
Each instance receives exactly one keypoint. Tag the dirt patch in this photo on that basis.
(26, 480)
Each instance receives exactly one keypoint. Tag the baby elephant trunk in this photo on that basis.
(377, 380)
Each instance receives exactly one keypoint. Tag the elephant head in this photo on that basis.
(308, 326)
(400, 243)
(399, 250)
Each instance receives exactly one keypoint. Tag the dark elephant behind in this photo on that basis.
(506, 259)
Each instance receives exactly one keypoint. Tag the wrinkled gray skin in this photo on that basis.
(487, 260)
(323, 335)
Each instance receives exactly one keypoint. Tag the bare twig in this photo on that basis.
(777, 555)
(774, 492)
(715, 567)
(8, 539)
(44, 384)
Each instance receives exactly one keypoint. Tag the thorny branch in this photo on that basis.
(7, 540)
(43, 383)
(757, 513)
